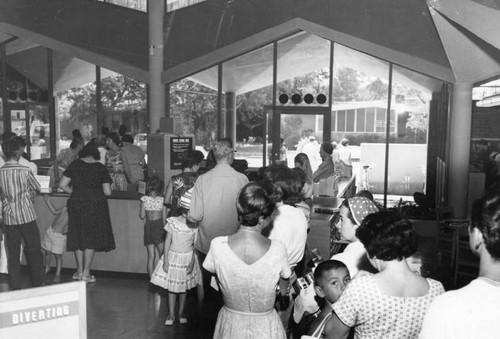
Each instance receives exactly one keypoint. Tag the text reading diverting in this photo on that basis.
(38, 314)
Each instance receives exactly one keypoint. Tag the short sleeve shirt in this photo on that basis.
(182, 235)
(376, 315)
(152, 203)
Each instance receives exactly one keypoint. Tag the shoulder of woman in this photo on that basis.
(435, 285)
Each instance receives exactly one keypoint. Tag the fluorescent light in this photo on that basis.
(489, 101)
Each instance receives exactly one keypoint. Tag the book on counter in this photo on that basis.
(44, 181)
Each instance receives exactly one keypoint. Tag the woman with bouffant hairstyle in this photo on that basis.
(392, 302)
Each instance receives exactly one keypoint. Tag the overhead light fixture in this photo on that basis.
(489, 101)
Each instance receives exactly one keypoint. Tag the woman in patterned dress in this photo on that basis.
(114, 162)
(89, 224)
(393, 302)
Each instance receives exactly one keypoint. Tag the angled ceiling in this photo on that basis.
(454, 40)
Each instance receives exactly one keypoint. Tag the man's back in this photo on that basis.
(213, 203)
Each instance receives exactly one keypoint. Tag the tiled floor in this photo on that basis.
(128, 307)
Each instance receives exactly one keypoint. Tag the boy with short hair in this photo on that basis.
(330, 279)
(18, 187)
(54, 241)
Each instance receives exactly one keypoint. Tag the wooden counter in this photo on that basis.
(128, 229)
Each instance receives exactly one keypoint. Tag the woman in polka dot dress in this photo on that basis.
(393, 302)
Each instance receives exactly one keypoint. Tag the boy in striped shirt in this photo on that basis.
(18, 187)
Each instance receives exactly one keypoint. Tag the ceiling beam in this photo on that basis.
(78, 52)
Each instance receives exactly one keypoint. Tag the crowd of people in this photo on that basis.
(242, 245)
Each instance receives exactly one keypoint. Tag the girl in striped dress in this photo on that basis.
(178, 269)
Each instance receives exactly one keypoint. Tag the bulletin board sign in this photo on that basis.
(178, 145)
(51, 312)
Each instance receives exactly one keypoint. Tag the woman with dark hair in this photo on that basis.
(89, 225)
(114, 162)
(473, 311)
(290, 224)
(391, 303)
(302, 162)
(352, 213)
(248, 266)
(63, 159)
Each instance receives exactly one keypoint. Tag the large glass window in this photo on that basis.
(76, 109)
(193, 103)
(303, 78)
(410, 105)
(123, 102)
(359, 111)
(247, 87)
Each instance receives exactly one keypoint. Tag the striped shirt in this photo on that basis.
(17, 188)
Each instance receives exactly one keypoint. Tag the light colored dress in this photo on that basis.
(377, 315)
(179, 256)
(248, 291)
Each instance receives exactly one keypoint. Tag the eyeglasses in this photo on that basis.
(233, 151)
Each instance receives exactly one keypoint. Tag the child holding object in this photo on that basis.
(54, 241)
(178, 269)
(155, 213)
(330, 279)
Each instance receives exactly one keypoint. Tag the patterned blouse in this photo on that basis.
(376, 315)
(152, 203)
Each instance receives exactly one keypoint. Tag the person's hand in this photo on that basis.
(190, 266)
(165, 265)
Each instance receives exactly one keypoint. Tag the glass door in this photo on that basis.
(298, 130)
(38, 131)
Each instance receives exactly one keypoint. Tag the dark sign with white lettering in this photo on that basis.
(179, 145)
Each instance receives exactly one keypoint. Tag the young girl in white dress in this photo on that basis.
(178, 269)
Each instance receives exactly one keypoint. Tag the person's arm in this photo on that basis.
(64, 184)
(50, 206)
(319, 172)
(142, 211)
(33, 184)
(126, 166)
(283, 285)
(195, 213)
(164, 213)
(336, 329)
(192, 261)
(166, 248)
(168, 194)
(106, 187)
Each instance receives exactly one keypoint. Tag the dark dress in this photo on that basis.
(89, 225)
